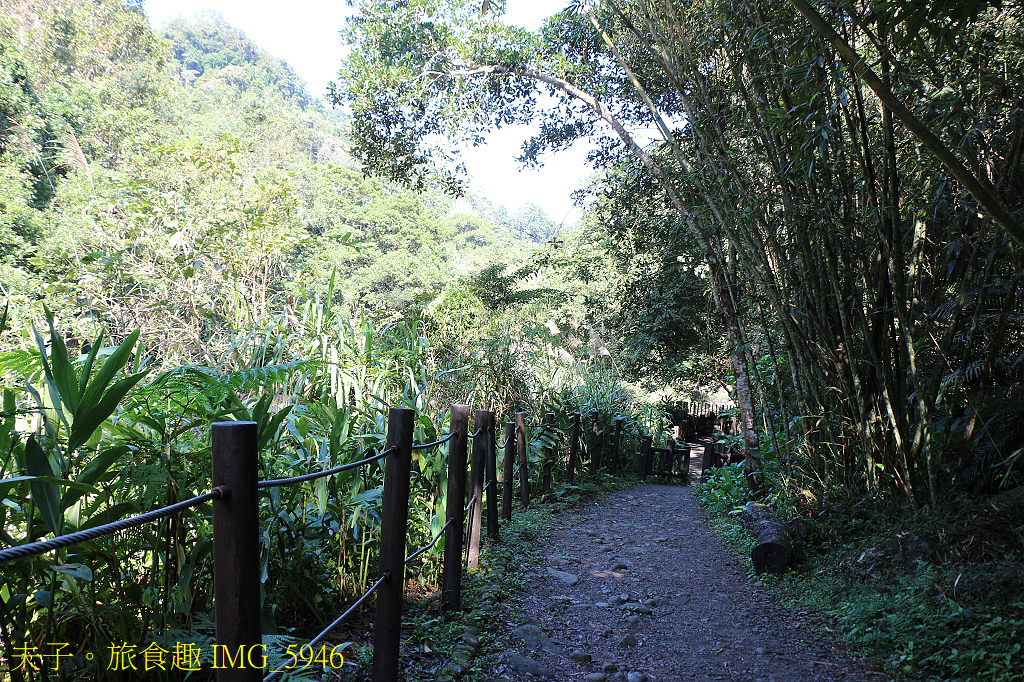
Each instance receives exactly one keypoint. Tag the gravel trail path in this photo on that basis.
(637, 587)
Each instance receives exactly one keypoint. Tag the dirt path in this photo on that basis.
(658, 597)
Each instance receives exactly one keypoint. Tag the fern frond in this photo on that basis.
(21, 363)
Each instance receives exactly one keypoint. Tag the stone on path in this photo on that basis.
(525, 664)
(627, 641)
(535, 637)
(637, 608)
(565, 577)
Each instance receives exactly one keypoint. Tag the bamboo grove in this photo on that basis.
(848, 174)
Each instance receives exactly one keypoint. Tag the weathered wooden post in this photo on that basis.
(387, 628)
(670, 455)
(574, 447)
(613, 466)
(492, 482)
(507, 467)
(686, 460)
(707, 461)
(595, 444)
(524, 462)
(664, 461)
(236, 549)
(645, 453)
(549, 454)
(451, 580)
(476, 487)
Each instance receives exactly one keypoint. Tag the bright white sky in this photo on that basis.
(305, 34)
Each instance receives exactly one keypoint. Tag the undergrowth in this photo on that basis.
(924, 596)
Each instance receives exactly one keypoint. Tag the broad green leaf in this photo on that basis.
(64, 375)
(89, 361)
(51, 384)
(367, 496)
(321, 494)
(75, 571)
(7, 483)
(45, 494)
(93, 472)
(117, 360)
(68, 484)
(90, 418)
(268, 429)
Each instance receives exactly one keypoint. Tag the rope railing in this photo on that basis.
(329, 472)
(236, 545)
(433, 542)
(423, 446)
(337, 621)
(43, 546)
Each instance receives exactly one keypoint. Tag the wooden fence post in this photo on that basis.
(670, 456)
(451, 580)
(549, 454)
(236, 550)
(492, 481)
(476, 487)
(613, 466)
(595, 445)
(686, 460)
(524, 462)
(645, 454)
(394, 528)
(707, 461)
(507, 463)
(574, 447)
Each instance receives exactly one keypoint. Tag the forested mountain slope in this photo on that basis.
(184, 183)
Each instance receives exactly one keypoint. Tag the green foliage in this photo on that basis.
(723, 491)
(926, 597)
(913, 619)
(192, 218)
